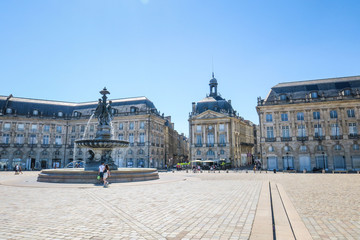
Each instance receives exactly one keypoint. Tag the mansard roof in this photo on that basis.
(26, 106)
(214, 103)
(329, 89)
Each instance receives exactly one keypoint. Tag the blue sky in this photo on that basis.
(163, 49)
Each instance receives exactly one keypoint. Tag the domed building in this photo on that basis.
(217, 133)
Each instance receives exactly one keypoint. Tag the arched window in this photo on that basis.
(356, 147)
(271, 149)
(9, 111)
(287, 149)
(210, 153)
(60, 114)
(198, 152)
(303, 148)
(337, 147)
(35, 112)
(210, 138)
(320, 148)
(222, 152)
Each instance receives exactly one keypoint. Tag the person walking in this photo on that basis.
(106, 175)
(101, 171)
(16, 169)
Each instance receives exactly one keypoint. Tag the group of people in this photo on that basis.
(17, 169)
(104, 173)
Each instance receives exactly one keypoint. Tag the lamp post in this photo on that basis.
(323, 155)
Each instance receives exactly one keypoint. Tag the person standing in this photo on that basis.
(106, 175)
(16, 169)
(101, 171)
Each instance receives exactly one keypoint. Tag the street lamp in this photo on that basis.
(323, 155)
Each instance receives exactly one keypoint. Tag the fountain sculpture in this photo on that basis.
(100, 151)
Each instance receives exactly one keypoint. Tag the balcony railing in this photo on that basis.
(19, 144)
(198, 145)
(209, 144)
(286, 139)
(58, 145)
(4, 145)
(336, 137)
(319, 138)
(141, 144)
(45, 145)
(222, 144)
(302, 138)
(353, 136)
(270, 139)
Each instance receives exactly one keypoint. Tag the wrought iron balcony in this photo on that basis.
(58, 145)
(45, 145)
(270, 139)
(302, 138)
(198, 145)
(353, 136)
(4, 145)
(141, 144)
(222, 144)
(286, 139)
(209, 144)
(336, 137)
(319, 138)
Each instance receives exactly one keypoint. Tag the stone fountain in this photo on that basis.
(100, 149)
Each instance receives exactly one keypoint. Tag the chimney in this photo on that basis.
(193, 107)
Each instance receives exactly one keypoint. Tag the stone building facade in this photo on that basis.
(217, 133)
(311, 124)
(41, 133)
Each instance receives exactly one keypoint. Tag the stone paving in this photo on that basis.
(177, 206)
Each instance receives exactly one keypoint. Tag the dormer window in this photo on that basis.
(60, 114)
(314, 95)
(77, 114)
(133, 109)
(35, 112)
(113, 111)
(283, 97)
(9, 110)
(346, 92)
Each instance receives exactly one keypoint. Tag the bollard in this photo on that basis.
(227, 171)
(187, 171)
(246, 171)
(173, 171)
(274, 170)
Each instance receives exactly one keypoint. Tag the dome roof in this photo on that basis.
(217, 104)
(213, 81)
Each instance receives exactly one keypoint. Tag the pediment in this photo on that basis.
(209, 114)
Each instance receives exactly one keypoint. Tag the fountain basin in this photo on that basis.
(79, 175)
(104, 144)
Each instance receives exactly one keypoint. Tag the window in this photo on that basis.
(271, 149)
(130, 152)
(32, 139)
(20, 139)
(6, 138)
(20, 127)
(303, 148)
(142, 125)
(142, 137)
(73, 129)
(198, 140)
(222, 139)
(7, 126)
(270, 132)
(320, 148)
(121, 136)
(210, 138)
(8, 110)
(82, 128)
(35, 112)
(131, 126)
(318, 130)
(283, 97)
(92, 127)
(268, 117)
(141, 152)
(210, 153)
(210, 127)
(335, 131)
(222, 152)
(131, 138)
(198, 152)
(76, 114)
(316, 115)
(300, 116)
(46, 139)
(287, 149)
(347, 92)
(72, 140)
(58, 140)
(351, 113)
(60, 114)
(222, 127)
(46, 128)
(198, 128)
(333, 114)
(301, 131)
(132, 109)
(121, 126)
(352, 129)
(356, 147)
(337, 147)
(59, 129)
(314, 95)
(285, 131)
(34, 127)
(284, 117)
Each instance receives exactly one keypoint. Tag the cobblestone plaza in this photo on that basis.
(179, 205)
